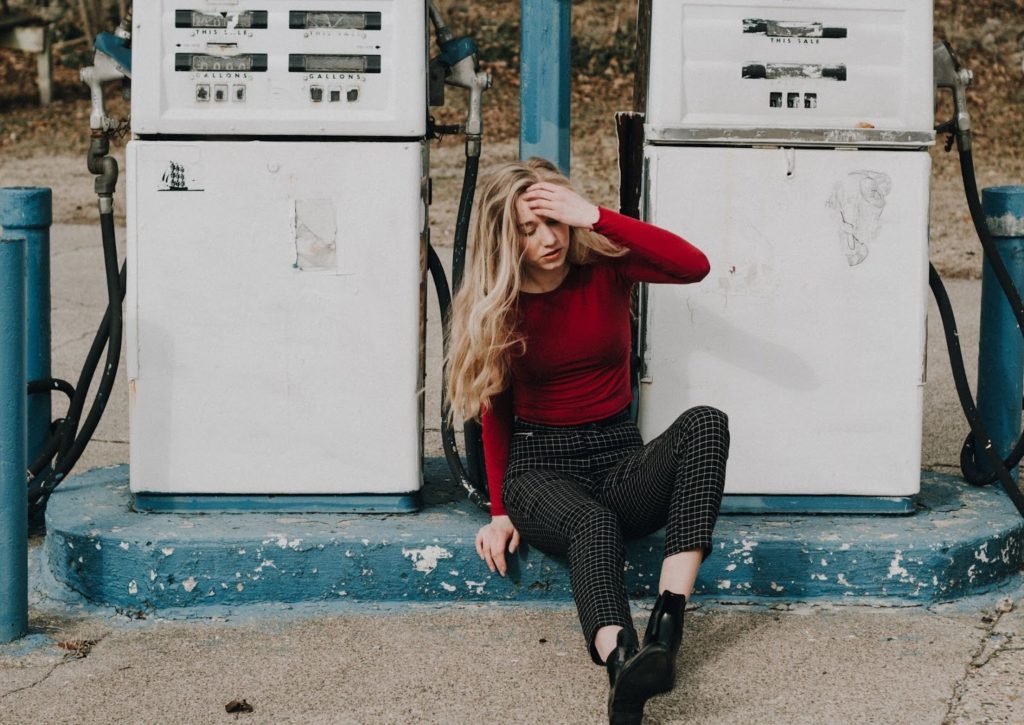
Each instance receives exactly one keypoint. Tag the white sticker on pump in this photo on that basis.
(316, 231)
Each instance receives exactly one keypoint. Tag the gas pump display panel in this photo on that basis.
(279, 67)
(273, 316)
(829, 72)
(809, 331)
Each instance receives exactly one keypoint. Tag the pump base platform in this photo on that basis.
(960, 540)
(160, 503)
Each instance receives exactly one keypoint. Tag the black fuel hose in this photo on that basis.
(462, 221)
(963, 389)
(967, 453)
(46, 385)
(474, 482)
(52, 444)
(1000, 468)
(72, 441)
(471, 431)
(116, 335)
(451, 452)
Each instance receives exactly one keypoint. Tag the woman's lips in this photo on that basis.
(552, 255)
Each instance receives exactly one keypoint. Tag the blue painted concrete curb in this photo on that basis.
(961, 541)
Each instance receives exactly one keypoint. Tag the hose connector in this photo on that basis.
(104, 166)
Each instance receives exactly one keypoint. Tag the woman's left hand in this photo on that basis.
(562, 204)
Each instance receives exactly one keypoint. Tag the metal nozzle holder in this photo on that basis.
(950, 74)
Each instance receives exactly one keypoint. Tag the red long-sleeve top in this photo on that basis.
(576, 365)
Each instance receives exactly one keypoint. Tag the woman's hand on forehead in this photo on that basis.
(561, 204)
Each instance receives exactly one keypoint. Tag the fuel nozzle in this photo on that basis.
(951, 75)
(112, 61)
(458, 60)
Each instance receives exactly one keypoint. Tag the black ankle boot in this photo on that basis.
(666, 628)
(633, 676)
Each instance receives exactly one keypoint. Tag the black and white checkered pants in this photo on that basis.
(581, 490)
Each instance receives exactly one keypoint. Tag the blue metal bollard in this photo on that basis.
(544, 78)
(1001, 348)
(13, 507)
(27, 212)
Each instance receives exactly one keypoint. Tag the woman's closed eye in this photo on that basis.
(531, 229)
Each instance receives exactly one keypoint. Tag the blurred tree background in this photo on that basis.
(987, 34)
(45, 145)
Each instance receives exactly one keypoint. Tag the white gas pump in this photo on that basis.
(277, 220)
(789, 141)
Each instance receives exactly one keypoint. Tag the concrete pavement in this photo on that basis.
(345, 663)
(498, 663)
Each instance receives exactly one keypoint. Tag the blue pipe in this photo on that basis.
(544, 78)
(27, 212)
(13, 509)
(1001, 347)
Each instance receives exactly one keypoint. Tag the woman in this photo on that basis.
(540, 353)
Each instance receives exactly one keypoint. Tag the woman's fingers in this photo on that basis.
(515, 542)
(485, 546)
(498, 554)
(546, 186)
(561, 204)
(487, 557)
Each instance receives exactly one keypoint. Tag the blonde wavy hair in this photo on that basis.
(483, 331)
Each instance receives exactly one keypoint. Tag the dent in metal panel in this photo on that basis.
(316, 230)
(857, 203)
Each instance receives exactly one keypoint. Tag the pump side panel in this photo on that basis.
(273, 317)
(809, 332)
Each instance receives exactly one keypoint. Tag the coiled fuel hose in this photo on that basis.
(67, 441)
(458, 59)
(1000, 468)
(475, 486)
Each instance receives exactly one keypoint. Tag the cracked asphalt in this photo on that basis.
(796, 663)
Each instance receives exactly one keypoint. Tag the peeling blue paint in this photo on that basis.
(960, 541)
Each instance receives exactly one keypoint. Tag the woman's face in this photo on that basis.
(545, 242)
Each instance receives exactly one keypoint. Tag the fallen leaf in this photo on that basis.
(238, 706)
